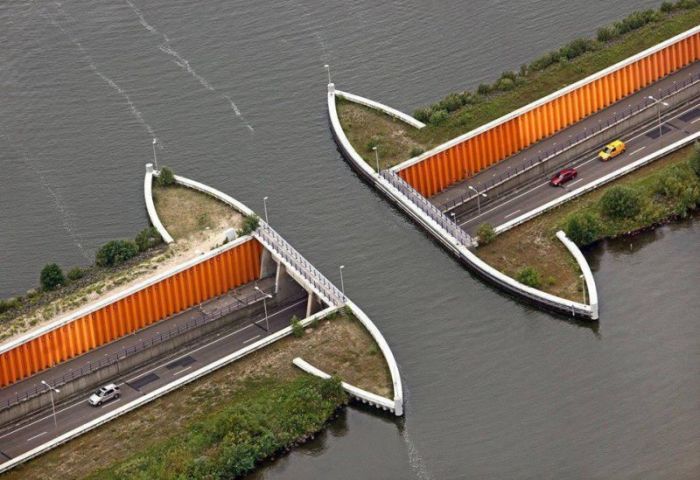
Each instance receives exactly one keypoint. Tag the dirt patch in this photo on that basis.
(340, 345)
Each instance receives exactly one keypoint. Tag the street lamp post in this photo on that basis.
(583, 286)
(376, 158)
(478, 198)
(53, 404)
(265, 297)
(454, 217)
(265, 208)
(155, 157)
(658, 110)
(342, 285)
(328, 69)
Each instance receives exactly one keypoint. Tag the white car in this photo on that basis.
(104, 394)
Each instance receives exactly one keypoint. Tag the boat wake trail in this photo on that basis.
(414, 458)
(183, 63)
(134, 111)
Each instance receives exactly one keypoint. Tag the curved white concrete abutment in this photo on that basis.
(449, 241)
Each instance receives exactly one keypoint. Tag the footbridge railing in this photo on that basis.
(292, 259)
(428, 208)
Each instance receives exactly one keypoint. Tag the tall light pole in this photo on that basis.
(265, 297)
(583, 285)
(454, 217)
(265, 207)
(53, 404)
(478, 197)
(342, 285)
(328, 69)
(376, 157)
(658, 110)
(155, 158)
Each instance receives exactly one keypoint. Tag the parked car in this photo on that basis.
(612, 150)
(104, 394)
(563, 176)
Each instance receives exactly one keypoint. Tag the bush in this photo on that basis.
(530, 277)
(297, 329)
(666, 7)
(582, 228)
(115, 252)
(524, 70)
(486, 233)
(509, 74)
(415, 151)
(505, 84)
(483, 89)
(451, 102)
(147, 238)
(51, 277)
(9, 304)
(605, 34)
(621, 202)
(577, 48)
(75, 273)
(438, 117)
(423, 114)
(250, 224)
(694, 161)
(686, 4)
(166, 177)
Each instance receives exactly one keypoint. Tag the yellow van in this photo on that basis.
(612, 150)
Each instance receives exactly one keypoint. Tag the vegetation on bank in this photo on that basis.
(232, 418)
(462, 112)
(666, 189)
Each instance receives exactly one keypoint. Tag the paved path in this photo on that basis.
(456, 191)
(15, 440)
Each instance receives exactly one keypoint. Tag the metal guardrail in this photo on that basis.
(543, 157)
(111, 359)
(428, 208)
(279, 245)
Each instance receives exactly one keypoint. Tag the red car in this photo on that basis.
(563, 176)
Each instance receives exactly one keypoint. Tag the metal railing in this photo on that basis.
(410, 194)
(587, 134)
(275, 243)
(111, 359)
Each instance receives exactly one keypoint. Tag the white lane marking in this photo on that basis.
(169, 360)
(511, 213)
(251, 339)
(574, 182)
(183, 370)
(36, 436)
(695, 121)
(637, 151)
(504, 203)
(110, 403)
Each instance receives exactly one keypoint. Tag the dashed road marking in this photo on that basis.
(36, 436)
(251, 339)
(511, 213)
(637, 151)
(183, 370)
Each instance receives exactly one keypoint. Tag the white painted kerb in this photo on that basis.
(381, 107)
(585, 270)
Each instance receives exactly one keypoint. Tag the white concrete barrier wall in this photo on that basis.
(150, 206)
(590, 286)
(537, 296)
(382, 108)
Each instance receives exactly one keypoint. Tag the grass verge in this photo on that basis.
(215, 422)
(666, 189)
(396, 140)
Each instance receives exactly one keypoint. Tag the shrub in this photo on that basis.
(530, 277)
(51, 277)
(451, 102)
(250, 224)
(486, 233)
(438, 117)
(468, 98)
(621, 202)
(694, 161)
(9, 304)
(483, 89)
(686, 4)
(582, 228)
(605, 34)
(505, 84)
(509, 74)
(166, 177)
(422, 114)
(666, 7)
(115, 252)
(297, 329)
(147, 238)
(576, 48)
(415, 151)
(524, 70)
(75, 273)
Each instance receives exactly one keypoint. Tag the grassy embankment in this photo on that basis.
(464, 111)
(664, 190)
(227, 422)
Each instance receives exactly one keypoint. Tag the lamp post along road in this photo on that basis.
(342, 284)
(265, 297)
(658, 110)
(53, 404)
(155, 157)
(265, 208)
(583, 286)
(376, 157)
(478, 198)
(328, 69)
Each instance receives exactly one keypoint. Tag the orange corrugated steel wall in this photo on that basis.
(173, 294)
(463, 160)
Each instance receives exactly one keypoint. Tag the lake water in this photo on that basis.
(235, 93)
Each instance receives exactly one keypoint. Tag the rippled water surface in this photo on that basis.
(235, 93)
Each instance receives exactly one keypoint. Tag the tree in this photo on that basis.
(530, 277)
(486, 233)
(115, 252)
(166, 177)
(582, 228)
(621, 202)
(51, 277)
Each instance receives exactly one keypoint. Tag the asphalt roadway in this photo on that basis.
(23, 436)
(447, 196)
